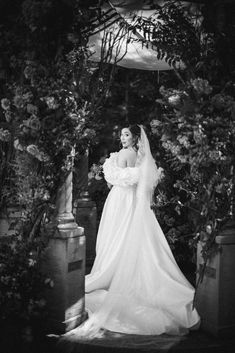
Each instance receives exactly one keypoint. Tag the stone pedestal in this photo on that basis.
(215, 300)
(64, 264)
(85, 213)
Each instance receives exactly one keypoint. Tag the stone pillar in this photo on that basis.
(64, 264)
(215, 299)
(86, 213)
(84, 210)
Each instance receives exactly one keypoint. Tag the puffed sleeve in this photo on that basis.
(119, 176)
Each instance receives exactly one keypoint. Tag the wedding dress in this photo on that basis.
(135, 285)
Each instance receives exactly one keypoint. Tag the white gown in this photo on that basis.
(135, 285)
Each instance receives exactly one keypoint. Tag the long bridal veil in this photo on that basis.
(149, 174)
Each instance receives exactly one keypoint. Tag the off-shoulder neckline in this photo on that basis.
(113, 153)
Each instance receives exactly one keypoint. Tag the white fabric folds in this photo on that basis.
(135, 285)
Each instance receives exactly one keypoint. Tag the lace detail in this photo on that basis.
(119, 176)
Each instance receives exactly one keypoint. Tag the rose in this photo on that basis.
(5, 103)
(34, 123)
(174, 100)
(18, 146)
(18, 102)
(34, 151)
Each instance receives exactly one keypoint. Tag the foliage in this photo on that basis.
(50, 96)
(196, 130)
(97, 186)
(21, 282)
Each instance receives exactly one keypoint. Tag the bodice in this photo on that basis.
(116, 175)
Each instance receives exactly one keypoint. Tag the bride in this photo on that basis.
(135, 285)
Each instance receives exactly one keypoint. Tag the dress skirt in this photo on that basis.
(135, 285)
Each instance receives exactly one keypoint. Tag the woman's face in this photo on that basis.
(126, 138)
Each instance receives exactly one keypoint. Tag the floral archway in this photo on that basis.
(51, 98)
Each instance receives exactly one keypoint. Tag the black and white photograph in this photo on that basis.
(117, 176)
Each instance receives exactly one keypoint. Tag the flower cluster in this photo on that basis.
(95, 172)
(201, 86)
(196, 130)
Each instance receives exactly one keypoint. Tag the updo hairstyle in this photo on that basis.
(135, 131)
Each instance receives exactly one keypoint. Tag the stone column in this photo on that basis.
(84, 210)
(215, 299)
(64, 264)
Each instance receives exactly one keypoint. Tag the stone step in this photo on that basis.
(195, 342)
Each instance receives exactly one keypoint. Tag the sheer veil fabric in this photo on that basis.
(135, 285)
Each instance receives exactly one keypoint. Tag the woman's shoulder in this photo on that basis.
(127, 157)
(127, 152)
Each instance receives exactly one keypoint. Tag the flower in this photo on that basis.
(27, 96)
(51, 103)
(89, 133)
(18, 102)
(215, 155)
(208, 229)
(4, 135)
(98, 177)
(31, 262)
(34, 123)
(222, 101)
(32, 109)
(155, 123)
(90, 175)
(28, 71)
(201, 86)
(183, 140)
(34, 151)
(8, 116)
(18, 146)
(5, 103)
(174, 100)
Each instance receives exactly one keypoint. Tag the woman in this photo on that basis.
(135, 285)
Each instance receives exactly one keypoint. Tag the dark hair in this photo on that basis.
(135, 131)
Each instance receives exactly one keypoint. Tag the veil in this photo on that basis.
(150, 174)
